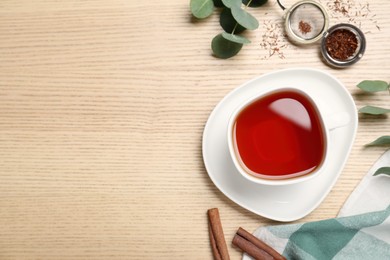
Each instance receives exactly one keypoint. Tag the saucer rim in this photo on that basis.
(323, 193)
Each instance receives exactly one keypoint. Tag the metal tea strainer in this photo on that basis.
(305, 21)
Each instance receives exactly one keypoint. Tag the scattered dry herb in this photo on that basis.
(352, 11)
(273, 39)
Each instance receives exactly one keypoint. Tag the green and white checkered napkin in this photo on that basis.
(361, 230)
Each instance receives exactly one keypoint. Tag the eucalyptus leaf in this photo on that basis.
(254, 3)
(383, 140)
(373, 85)
(235, 38)
(227, 22)
(372, 110)
(218, 3)
(244, 18)
(224, 48)
(232, 3)
(382, 170)
(201, 8)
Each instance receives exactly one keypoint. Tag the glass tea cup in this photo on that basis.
(281, 137)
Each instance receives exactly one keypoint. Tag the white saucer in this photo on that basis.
(282, 203)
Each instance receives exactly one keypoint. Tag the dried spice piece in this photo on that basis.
(341, 44)
(354, 12)
(255, 247)
(217, 238)
(304, 27)
(273, 40)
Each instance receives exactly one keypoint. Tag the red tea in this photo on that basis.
(280, 136)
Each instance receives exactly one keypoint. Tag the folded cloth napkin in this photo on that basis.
(360, 231)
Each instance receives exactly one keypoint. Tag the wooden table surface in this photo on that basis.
(102, 109)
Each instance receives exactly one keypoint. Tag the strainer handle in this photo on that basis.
(281, 6)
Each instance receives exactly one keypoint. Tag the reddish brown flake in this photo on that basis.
(341, 44)
(304, 27)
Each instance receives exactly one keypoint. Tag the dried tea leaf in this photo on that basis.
(383, 140)
(224, 48)
(235, 38)
(228, 23)
(372, 110)
(373, 85)
(244, 18)
(382, 170)
(201, 8)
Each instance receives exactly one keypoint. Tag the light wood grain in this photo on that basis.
(102, 108)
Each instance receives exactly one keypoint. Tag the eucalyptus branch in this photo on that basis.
(376, 86)
(233, 19)
(246, 6)
(234, 29)
(372, 86)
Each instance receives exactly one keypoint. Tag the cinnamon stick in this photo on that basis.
(217, 238)
(216, 254)
(254, 246)
(251, 249)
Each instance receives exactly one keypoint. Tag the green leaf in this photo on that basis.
(382, 170)
(218, 3)
(373, 85)
(227, 22)
(201, 8)
(235, 38)
(372, 110)
(383, 140)
(232, 3)
(244, 18)
(223, 48)
(254, 3)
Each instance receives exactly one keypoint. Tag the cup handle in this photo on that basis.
(337, 120)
